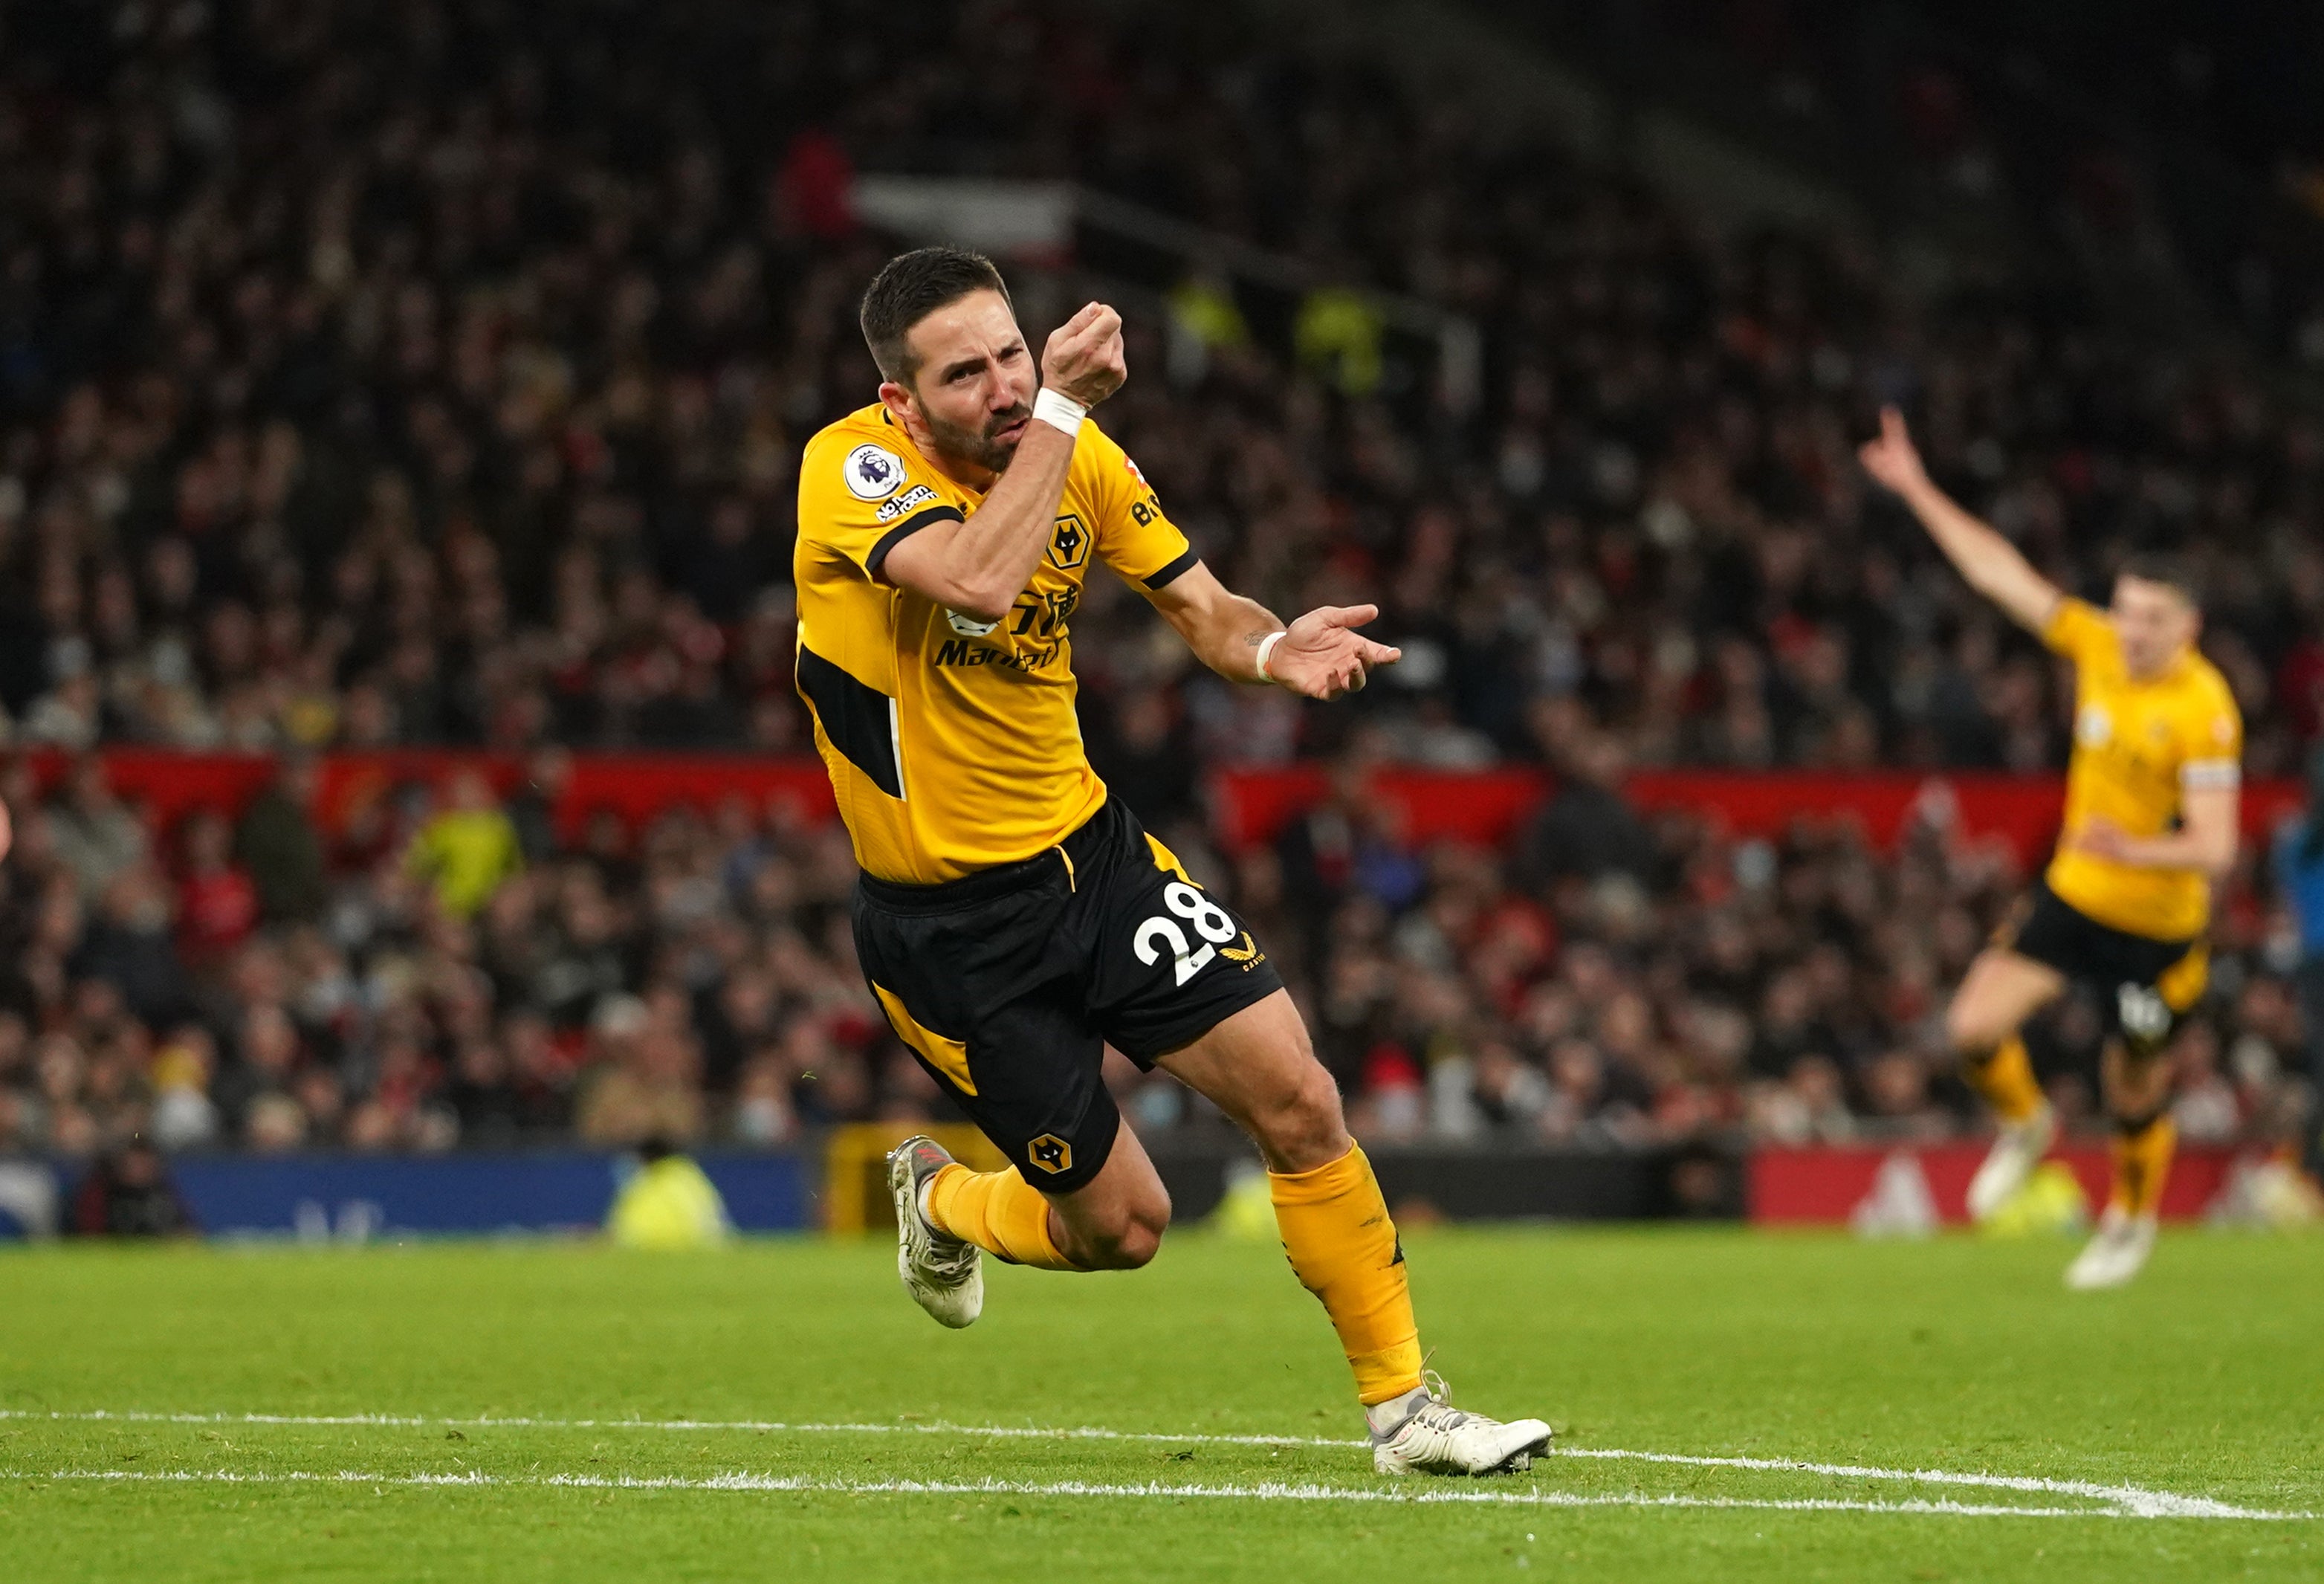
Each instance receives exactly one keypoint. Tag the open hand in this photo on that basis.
(1322, 655)
(1083, 359)
(1892, 460)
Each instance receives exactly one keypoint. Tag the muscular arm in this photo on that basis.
(1222, 628)
(1319, 655)
(2210, 822)
(1990, 564)
(979, 567)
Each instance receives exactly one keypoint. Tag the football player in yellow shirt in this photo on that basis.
(2152, 820)
(1013, 919)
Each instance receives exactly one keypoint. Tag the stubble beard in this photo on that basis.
(979, 446)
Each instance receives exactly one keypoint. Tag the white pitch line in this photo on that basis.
(1270, 1491)
(2140, 1501)
(2136, 1501)
(762, 1426)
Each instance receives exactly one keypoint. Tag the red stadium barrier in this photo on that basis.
(1249, 806)
(1252, 805)
(2021, 810)
(634, 786)
(1828, 1185)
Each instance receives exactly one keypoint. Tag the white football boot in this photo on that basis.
(2010, 1162)
(2116, 1252)
(945, 1274)
(1437, 1438)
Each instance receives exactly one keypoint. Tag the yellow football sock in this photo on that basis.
(2005, 1079)
(2142, 1163)
(998, 1211)
(1344, 1249)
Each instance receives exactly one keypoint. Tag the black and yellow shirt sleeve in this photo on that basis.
(1142, 546)
(862, 495)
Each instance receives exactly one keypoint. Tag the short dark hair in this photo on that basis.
(911, 287)
(2171, 570)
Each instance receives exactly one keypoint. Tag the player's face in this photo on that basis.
(976, 382)
(2154, 622)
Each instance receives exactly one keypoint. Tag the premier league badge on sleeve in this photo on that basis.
(873, 471)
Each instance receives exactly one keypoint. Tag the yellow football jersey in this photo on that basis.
(2136, 746)
(952, 743)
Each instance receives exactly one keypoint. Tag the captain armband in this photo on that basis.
(2210, 774)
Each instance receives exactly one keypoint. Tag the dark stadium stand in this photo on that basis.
(381, 380)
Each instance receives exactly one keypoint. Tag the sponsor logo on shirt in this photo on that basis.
(918, 495)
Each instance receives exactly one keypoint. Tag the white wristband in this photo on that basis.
(1266, 648)
(1059, 411)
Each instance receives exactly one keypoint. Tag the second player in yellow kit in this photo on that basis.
(2151, 822)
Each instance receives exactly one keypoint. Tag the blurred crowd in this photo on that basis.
(436, 373)
(1613, 978)
(448, 974)
(454, 975)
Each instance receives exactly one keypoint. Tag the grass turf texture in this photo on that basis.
(1957, 1355)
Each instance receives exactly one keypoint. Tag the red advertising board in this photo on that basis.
(1830, 1184)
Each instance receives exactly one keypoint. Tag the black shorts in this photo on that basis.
(1008, 984)
(2145, 987)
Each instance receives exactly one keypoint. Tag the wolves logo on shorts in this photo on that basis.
(1009, 984)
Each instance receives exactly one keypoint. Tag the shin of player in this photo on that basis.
(2001, 990)
(1336, 1230)
(1335, 1223)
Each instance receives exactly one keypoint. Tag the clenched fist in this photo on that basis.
(1083, 359)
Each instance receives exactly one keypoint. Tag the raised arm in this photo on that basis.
(979, 567)
(1319, 655)
(1990, 564)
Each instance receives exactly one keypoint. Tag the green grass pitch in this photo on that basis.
(2202, 1386)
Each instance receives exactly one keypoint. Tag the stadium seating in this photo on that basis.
(436, 377)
